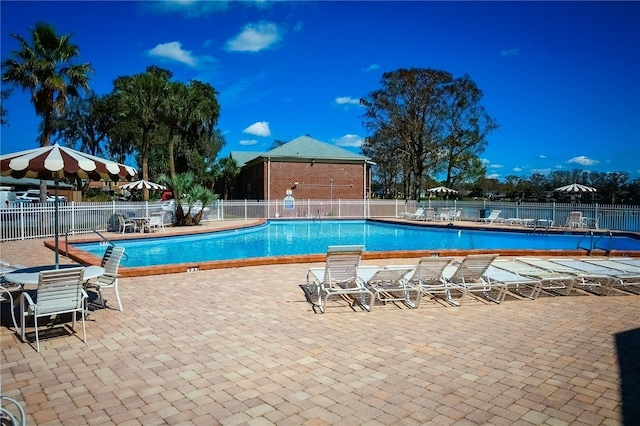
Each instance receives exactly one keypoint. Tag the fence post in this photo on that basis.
(146, 208)
(22, 221)
(339, 209)
(113, 208)
(73, 218)
(553, 215)
(245, 209)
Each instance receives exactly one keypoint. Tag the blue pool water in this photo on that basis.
(295, 237)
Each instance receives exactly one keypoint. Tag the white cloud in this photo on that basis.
(541, 171)
(255, 37)
(496, 166)
(173, 51)
(484, 161)
(341, 100)
(510, 52)
(559, 166)
(371, 67)
(493, 176)
(349, 140)
(189, 8)
(248, 142)
(543, 156)
(261, 128)
(517, 169)
(583, 161)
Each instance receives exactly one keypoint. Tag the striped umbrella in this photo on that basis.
(55, 162)
(142, 184)
(575, 188)
(58, 162)
(442, 190)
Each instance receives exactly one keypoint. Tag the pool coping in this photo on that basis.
(83, 257)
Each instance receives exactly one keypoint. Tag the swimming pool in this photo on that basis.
(302, 237)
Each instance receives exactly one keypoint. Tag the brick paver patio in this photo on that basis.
(243, 346)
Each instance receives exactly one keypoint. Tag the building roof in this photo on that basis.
(303, 147)
(243, 157)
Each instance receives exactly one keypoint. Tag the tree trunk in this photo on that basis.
(145, 162)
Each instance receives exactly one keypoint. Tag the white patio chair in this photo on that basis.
(59, 291)
(575, 220)
(156, 221)
(340, 277)
(110, 262)
(124, 224)
(6, 292)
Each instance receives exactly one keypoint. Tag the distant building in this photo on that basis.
(308, 168)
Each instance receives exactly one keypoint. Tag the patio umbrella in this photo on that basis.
(56, 162)
(442, 190)
(575, 188)
(142, 184)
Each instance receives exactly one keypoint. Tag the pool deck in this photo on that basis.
(243, 346)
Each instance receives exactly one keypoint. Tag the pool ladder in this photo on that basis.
(104, 241)
(593, 240)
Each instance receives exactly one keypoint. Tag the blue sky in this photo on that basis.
(561, 78)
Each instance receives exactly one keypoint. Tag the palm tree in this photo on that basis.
(191, 114)
(191, 198)
(228, 171)
(45, 68)
(142, 100)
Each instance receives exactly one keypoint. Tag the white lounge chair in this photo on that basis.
(418, 215)
(60, 291)
(428, 277)
(110, 262)
(494, 216)
(390, 284)
(628, 276)
(550, 280)
(514, 281)
(470, 274)
(627, 261)
(340, 277)
(587, 280)
(615, 276)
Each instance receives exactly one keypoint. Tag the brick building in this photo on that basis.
(308, 168)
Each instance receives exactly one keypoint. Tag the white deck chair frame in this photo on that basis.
(470, 272)
(417, 215)
(525, 286)
(390, 284)
(59, 291)
(588, 281)
(494, 216)
(551, 281)
(340, 277)
(428, 277)
(628, 276)
(110, 262)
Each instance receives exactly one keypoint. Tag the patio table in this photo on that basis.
(142, 222)
(30, 276)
